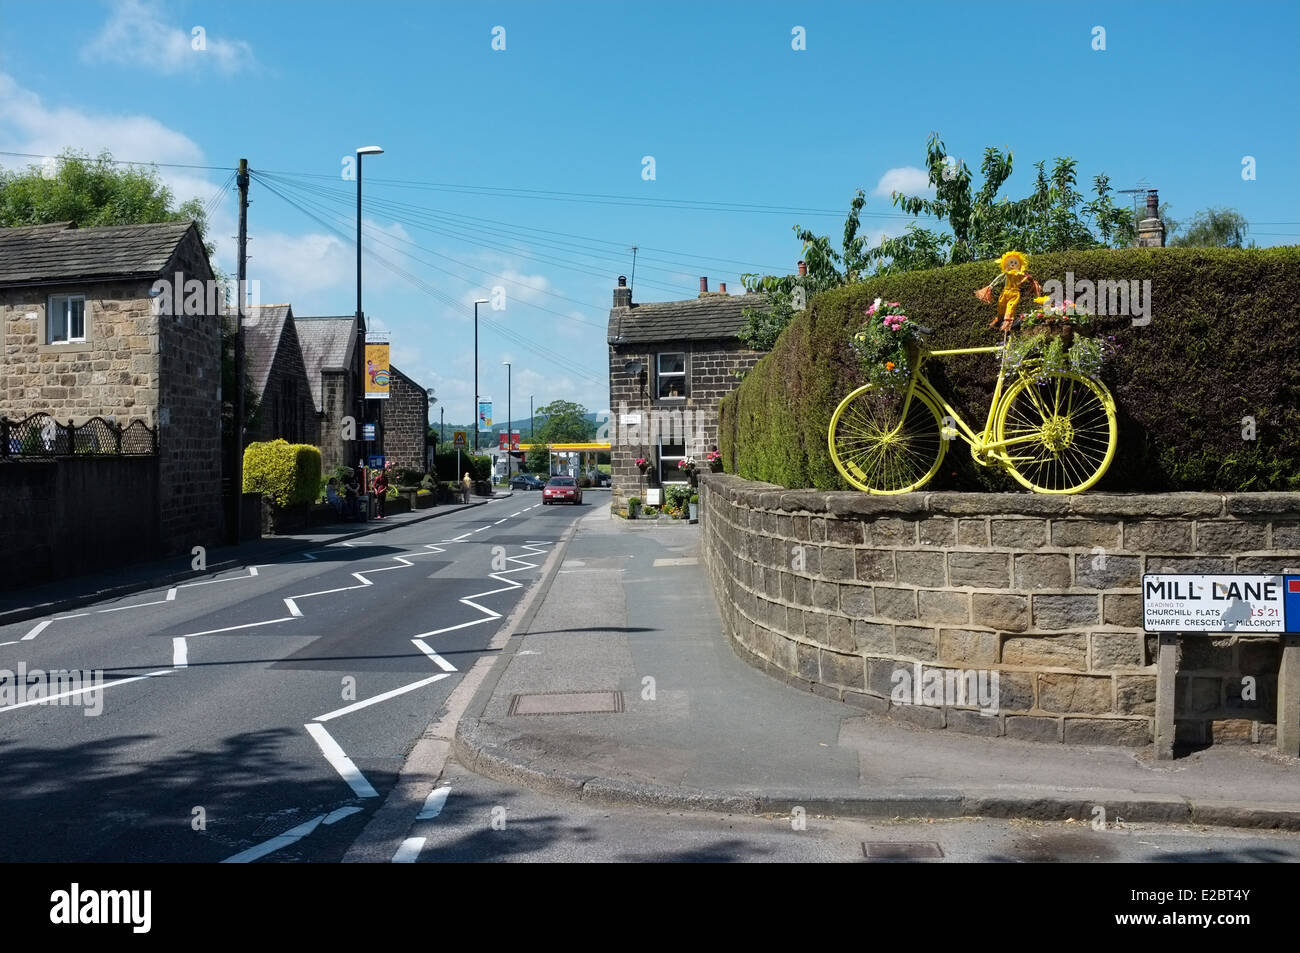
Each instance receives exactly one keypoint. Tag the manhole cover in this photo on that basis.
(567, 703)
(900, 850)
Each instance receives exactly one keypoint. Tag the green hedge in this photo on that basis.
(1223, 343)
(478, 468)
(289, 473)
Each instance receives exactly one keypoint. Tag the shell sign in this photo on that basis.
(378, 373)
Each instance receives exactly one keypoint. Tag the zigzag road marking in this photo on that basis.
(489, 614)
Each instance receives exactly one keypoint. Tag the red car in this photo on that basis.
(562, 489)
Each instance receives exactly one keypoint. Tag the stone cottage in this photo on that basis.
(122, 322)
(406, 423)
(332, 352)
(670, 363)
(277, 374)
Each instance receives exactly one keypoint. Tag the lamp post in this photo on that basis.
(361, 321)
(477, 302)
(510, 437)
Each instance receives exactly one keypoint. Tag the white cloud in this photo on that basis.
(135, 34)
(906, 179)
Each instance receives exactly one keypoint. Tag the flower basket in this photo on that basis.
(887, 346)
(1057, 338)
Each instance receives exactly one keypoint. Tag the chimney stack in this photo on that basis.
(1151, 230)
(803, 269)
(704, 286)
(722, 288)
(622, 294)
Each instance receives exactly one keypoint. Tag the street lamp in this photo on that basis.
(510, 437)
(361, 321)
(477, 302)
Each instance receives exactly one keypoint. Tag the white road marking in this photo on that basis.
(138, 605)
(367, 702)
(340, 762)
(679, 561)
(409, 852)
(489, 614)
(81, 691)
(36, 630)
(291, 836)
(480, 529)
(341, 813)
(15, 642)
(77, 616)
(180, 653)
(438, 660)
(171, 595)
(232, 628)
(460, 537)
(434, 803)
(500, 521)
(516, 513)
(293, 608)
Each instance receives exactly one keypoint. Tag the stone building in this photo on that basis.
(99, 322)
(332, 359)
(670, 363)
(406, 423)
(286, 406)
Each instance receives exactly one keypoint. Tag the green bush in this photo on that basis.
(479, 468)
(288, 473)
(1221, 346)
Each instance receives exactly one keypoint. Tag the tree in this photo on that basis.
(89, 192)
(1053, 218)
(1211, 228)
(565, 422)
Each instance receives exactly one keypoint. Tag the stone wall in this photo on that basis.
(191, 511)
(406, 423)
(836, 592)
(285, 408)
(338, 399)
(711, 368)
(74, 515)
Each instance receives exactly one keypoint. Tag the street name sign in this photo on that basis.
(1188, 602)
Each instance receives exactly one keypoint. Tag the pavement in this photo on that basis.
(630, 610)
(64, 595)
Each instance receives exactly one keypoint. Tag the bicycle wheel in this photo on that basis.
(878, 451)
(1065, 431)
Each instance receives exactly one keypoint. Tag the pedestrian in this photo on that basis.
(351, 498)
(380, 485)
(468, 485)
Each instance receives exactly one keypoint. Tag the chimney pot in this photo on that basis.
(622, 281)
(704, 285)
(803, 268)
(622, 294)
(722, 288)
(1153, 203)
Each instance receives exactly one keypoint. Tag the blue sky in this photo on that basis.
(582, 92)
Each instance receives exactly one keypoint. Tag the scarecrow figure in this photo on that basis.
(1015, 270)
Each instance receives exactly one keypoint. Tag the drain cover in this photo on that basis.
(567, 703)
(900, 850)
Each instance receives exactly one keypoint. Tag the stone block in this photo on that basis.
(1189, 564)
(873, 636)
(843, 671)
(837, 563)
(1115, 650)
(1231, 536)
(1135, 694)
(915, 642)
(1002, 611)
(1056, 651)
(1074, 693)
(891, 531)
(1033, 728)
(1158, 536)
(942, 605)
(1015, 691)
(968, 647)
(806, 660)
(979, 570)
(1065, 612)
(896, 604)
(937, 531)
(1104, 571)
(880, 674)
(1086, 533)
(972, 532)
(1042, 571)
(1121, 609)
(826, 595)
(845, 532)
(839, 634)
(1231, 731)
(1127, 732)
(857, 602)
(1018, 533)
(921, 568)
(973, 723)
(875, 565)
(922, 715)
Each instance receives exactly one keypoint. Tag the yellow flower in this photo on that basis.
(1013, 263)
(889, 365)
(1042, 300)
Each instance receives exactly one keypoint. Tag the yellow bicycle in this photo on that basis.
(1054, 431)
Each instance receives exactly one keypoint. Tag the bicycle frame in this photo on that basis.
(979, 443)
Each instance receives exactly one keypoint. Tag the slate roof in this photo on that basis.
(327, 344)
(263, 327)
(711, 317)
(62, 252)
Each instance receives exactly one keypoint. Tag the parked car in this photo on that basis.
(562, 489)
(600, 479)
(525, 481)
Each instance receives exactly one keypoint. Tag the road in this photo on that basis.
(275, 700)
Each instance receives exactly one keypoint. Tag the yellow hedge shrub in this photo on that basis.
(288, 473)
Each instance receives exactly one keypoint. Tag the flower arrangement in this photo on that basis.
(714, 459)
(686, 463)
(885, 346)
(643, 464)
(1055, 338)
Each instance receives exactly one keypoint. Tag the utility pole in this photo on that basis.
(237, 471)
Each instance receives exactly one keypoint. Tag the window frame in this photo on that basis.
(48, 337)
(683, 374)
(678, 476)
